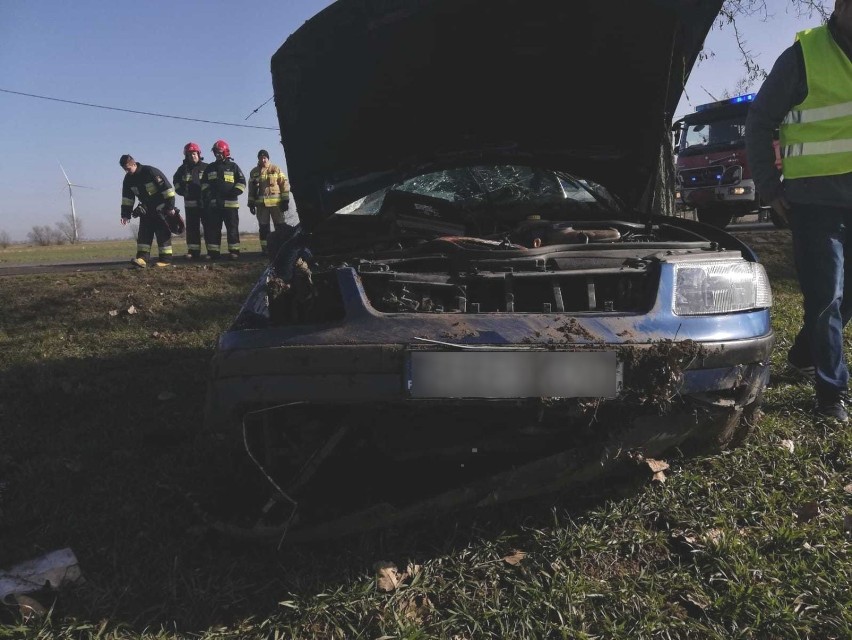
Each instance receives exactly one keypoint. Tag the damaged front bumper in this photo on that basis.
(727, 374)
(244, 378)
(474, 451)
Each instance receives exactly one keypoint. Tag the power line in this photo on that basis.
(143, 113)
(258, 109)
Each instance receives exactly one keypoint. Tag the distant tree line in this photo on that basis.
(66, 231)
(62, 233)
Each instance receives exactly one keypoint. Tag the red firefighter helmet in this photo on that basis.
(220, 146)
(189, 147)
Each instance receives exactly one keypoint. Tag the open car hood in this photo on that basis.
(371, 91)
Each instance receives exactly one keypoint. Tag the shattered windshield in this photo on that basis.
(501, 186)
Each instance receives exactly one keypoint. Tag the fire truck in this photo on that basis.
(713, 175)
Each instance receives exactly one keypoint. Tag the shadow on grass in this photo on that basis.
(105, 456)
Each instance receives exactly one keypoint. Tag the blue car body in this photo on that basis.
(483, 265)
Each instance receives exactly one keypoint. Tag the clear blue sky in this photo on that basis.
(207, 60)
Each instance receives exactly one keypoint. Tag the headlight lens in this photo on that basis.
(704, 288)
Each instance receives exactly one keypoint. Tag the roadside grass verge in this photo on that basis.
(96, 250)
(101, 449)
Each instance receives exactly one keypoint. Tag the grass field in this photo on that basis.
(95, 250)
(101, 450)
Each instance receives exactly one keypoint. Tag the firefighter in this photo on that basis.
(187, 181)
(268, 196)
(221, 185)
(156, 201)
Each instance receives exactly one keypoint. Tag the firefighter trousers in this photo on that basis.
(264, 215)
(193, 230)
(213, 231)
(151, 225)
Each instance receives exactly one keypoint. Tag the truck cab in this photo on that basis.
(713, 174)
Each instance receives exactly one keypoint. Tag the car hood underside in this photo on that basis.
(368, 92)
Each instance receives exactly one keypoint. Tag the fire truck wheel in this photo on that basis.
(714, 217)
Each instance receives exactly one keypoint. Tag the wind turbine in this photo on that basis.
(71, 197)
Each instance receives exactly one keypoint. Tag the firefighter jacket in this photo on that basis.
(187, 182)
(222, 183)
(150, 186)
(268, 186)
(816, 135)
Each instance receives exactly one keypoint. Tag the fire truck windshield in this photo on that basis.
(722, 133)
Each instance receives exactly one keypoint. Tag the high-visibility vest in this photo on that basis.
(816, 135)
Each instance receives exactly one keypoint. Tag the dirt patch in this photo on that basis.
(654, 374)
(571, 328)
(460, 331)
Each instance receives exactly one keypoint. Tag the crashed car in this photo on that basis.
(487, 296)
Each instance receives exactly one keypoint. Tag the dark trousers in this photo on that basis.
(150, 225)
(193, 230)
(232, 227)
(822, 239)
(213, 230)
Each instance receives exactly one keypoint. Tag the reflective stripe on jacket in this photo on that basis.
(816, 135)
(187, 181)
(268, 187)
(150, 186)
(222, 183)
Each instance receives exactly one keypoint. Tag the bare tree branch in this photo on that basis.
(735, 11)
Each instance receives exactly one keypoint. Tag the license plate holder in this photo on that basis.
(508, 373)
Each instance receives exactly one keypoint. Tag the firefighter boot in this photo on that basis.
(141, 260)
(165, 257)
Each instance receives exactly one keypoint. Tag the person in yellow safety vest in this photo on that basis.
(269, 196)
(808, 97)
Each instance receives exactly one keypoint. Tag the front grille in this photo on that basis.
(505, 293)
(703, 177)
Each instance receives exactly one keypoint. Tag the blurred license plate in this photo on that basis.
(513, 374)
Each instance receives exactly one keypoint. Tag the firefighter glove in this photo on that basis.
(138, 211)
(252, 209)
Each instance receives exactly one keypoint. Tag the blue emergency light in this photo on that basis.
(748, 97)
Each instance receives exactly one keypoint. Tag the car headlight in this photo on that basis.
(704, 288)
